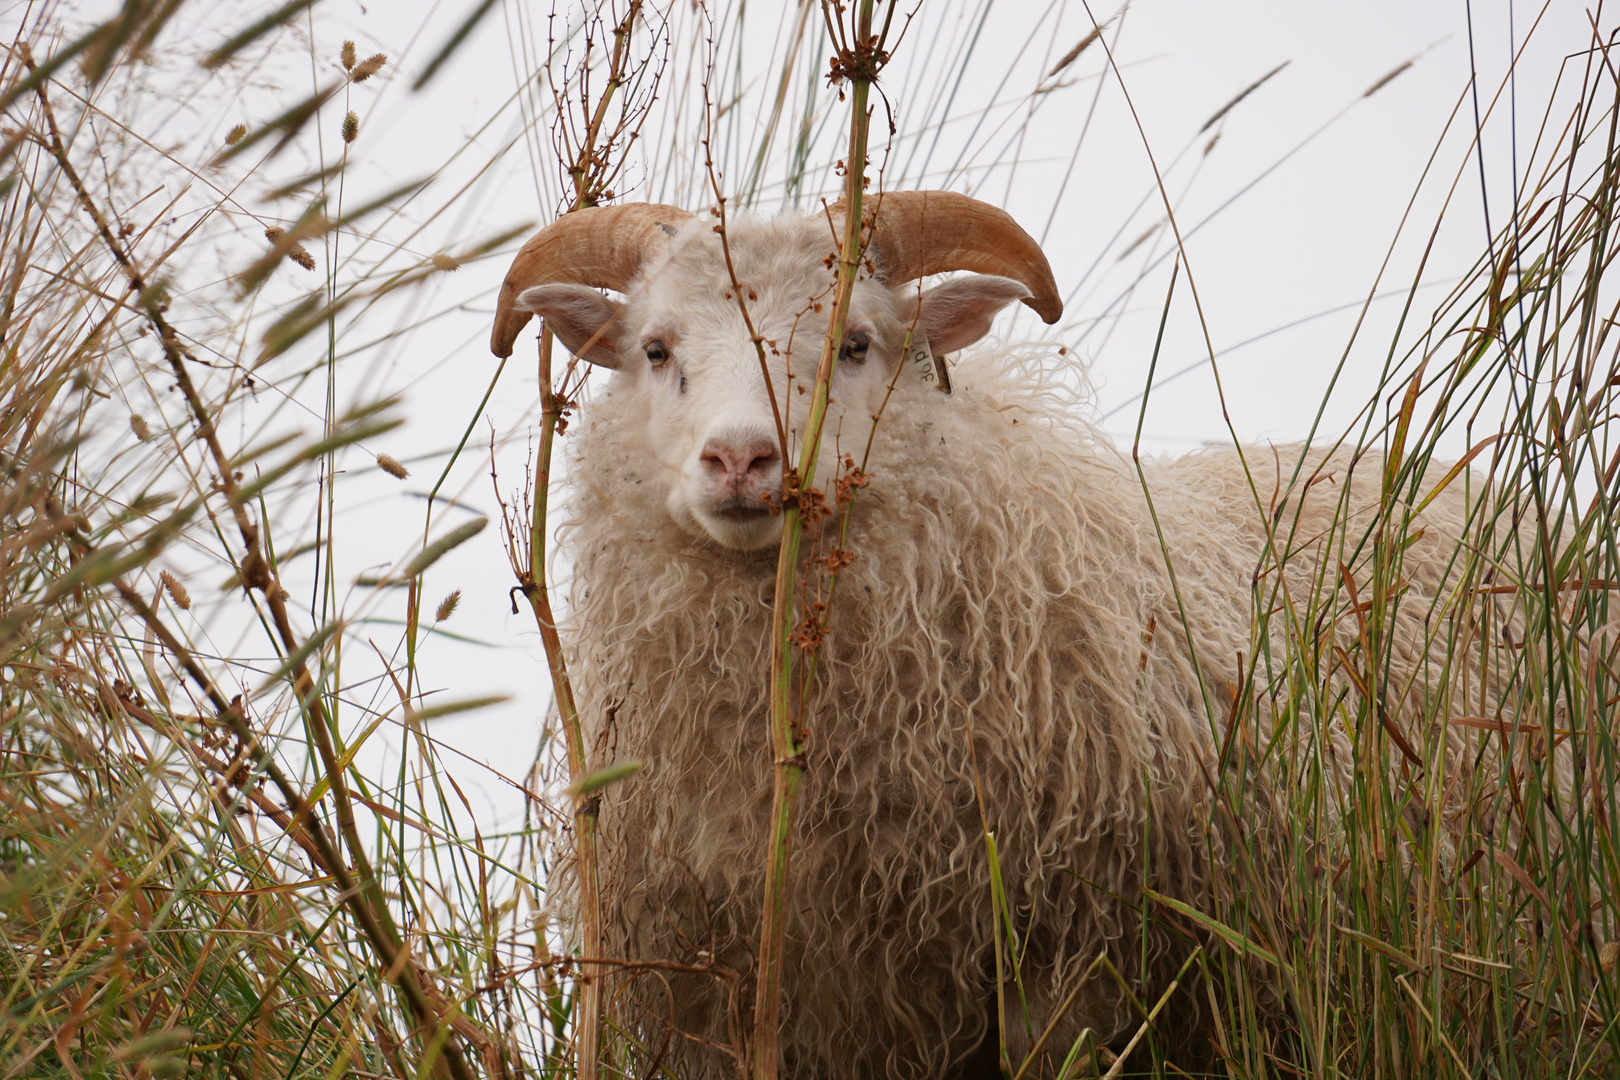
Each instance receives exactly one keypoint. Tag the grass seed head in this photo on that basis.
(138, 424)
(296, 252)
(447, 606)
(236, 135)
(390, 465)
(351, 127)
(441, 261)
(346, 54)
(1074, 54)
(177, 592)
(1608, 956)
(368, 67)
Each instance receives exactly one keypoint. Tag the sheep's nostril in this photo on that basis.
(763, 459)
(737, 462)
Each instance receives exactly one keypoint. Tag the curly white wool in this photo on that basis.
(1009, 630)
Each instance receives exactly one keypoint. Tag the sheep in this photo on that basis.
(1006, 652)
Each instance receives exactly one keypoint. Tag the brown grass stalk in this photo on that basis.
(591, 166)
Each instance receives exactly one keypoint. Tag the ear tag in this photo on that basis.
(929, 368)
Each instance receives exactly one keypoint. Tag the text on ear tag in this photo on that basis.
(929, 368)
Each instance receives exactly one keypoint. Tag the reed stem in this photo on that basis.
(587, 1034)
(789, 734)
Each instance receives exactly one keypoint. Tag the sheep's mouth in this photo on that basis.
(742, 510)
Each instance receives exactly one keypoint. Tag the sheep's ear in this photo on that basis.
(959, 312)
(583, 319)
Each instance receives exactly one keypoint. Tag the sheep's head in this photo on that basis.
(685, 358)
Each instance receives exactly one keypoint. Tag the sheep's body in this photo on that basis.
(1008, 628)
(1009, 632)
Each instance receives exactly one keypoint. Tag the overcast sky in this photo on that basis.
(1288, 219)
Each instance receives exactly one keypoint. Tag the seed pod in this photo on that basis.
(351, 127)
(1608, 956)
(368, 67)
(390, 465)
(447, 606)
(236, 135)
(347, 55)
(296, 252)
(140, 427)
(177, 592)
(441, 261)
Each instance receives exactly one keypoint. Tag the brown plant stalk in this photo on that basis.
(590, 168)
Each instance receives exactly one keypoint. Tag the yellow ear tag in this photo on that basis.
(929, 368)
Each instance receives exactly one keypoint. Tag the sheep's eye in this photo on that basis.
(657, 353)
(855, 347)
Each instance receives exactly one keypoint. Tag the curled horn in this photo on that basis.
(917, 233)
(600, 246)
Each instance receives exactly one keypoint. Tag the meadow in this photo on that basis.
(235, 838)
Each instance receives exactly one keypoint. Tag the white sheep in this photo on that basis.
(1008, 632)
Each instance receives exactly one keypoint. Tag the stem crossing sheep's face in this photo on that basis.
(687, 367)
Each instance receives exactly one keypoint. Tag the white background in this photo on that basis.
(1297, 207)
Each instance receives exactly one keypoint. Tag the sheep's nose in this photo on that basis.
(735, 462)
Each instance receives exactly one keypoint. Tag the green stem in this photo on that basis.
(787, 743)
(585, 172)
(588, 1024)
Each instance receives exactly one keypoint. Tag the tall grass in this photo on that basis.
(197, 879)
(1436, 893)
(209, 867)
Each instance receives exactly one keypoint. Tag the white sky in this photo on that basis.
(1307, 238)
(1280, 271)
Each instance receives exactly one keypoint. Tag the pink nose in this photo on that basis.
(734, 462)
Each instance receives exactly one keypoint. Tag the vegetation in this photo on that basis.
(207, 865)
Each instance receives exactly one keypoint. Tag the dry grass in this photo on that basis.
(204, 870)
(196, 876)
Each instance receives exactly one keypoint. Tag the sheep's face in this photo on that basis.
(688, 368)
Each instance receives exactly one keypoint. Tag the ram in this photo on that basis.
(1008, 652)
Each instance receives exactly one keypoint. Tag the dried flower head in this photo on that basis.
(390, 465)
(441, 261)
(236, 135)
(295, 252)
(140, 427)
(1074, 54)
(347, 55)
(351, 128)
(447, 606)
(177, 592)
(1609, 956)
(368, 67)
